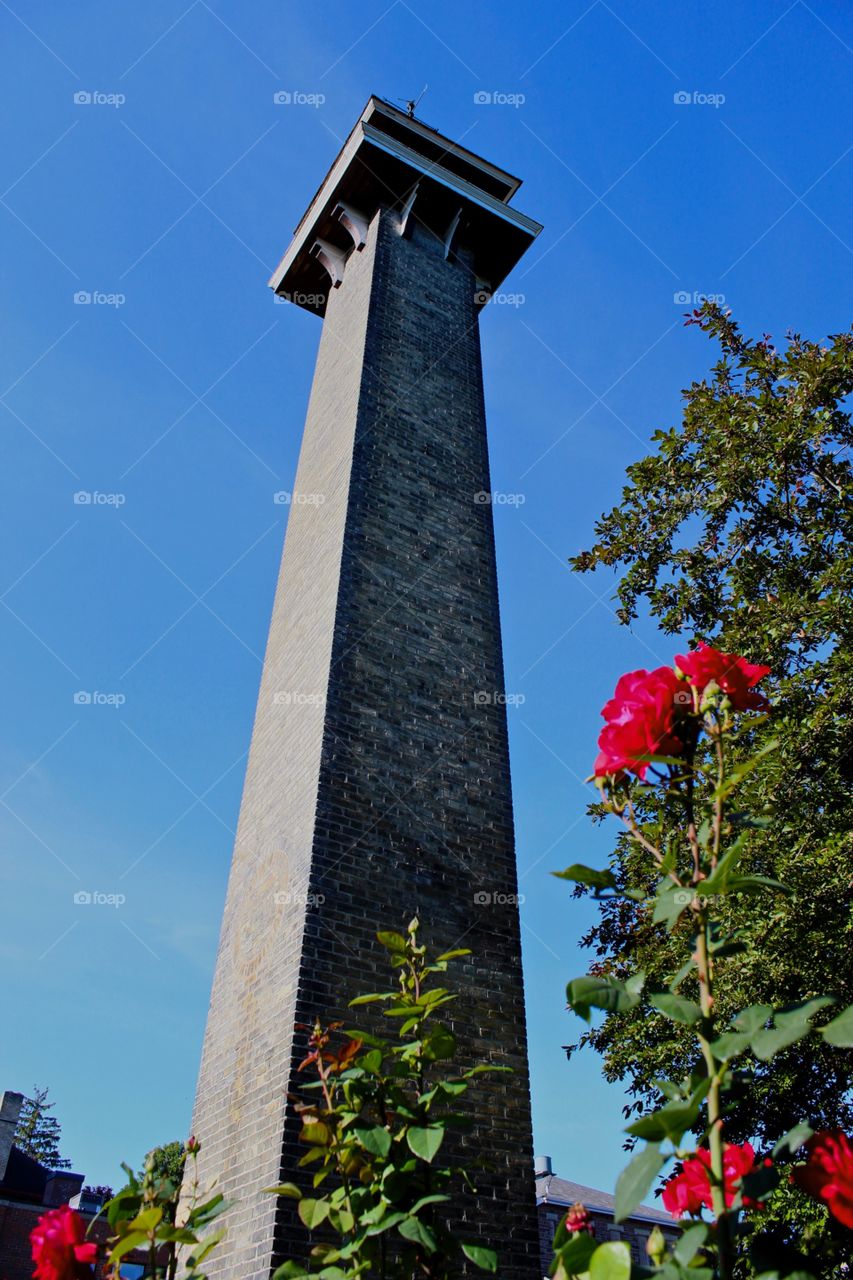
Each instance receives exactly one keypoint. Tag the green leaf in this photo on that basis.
(676, 1007)
(207, 1245)
(580, 874)
(393, 941)
(419, 1233)
(587, 993)
(752, 1019)
(575, 1252)
(285, 1189)
(790, 1025)
(485, 1259)
(425, 1143)
(425, 1200)
(611, 1261)
(635, 1180)
(791, 1142)
(375, 1139)
(689, 1244)
(671, 901)
(133, 1240)
(290, 1271)
(147, 1220)
(371, 999)
(743, 770)
(313, 1212)
(451, 955)
(385, 1223)
(840, 1031)
(718, 880)
(755, 884)
(672, 1120)
(729, 1045)
(439, 1043)
(202, 1214)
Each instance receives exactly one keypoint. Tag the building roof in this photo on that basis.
(24, 1178)
(558, 1191)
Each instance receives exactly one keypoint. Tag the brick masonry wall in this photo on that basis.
(389, 793)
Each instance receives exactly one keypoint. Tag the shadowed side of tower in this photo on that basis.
(378, 777)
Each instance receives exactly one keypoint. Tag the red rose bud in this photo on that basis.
(579, 1219)
(827, 1174)
(640, 722)
(193, 1145)
(58, 1247)
(733, 676)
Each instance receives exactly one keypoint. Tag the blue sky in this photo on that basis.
(178, 394)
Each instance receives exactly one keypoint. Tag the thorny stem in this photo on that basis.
(705, 973)
(713, 1100)
(635, 830)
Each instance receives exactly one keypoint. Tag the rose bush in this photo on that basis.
(668, 734)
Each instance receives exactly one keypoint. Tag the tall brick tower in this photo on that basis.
(378, 776)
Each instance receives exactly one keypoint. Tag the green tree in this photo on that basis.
(738, 530)
(165, 1165)
(38, 1134)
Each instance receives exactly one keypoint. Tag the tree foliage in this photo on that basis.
(38, 1133)
(738, 530)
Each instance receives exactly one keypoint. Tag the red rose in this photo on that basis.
(58, 1247)
(640, 722)
(579, 1219)
(828, 1173)
(687, 1191)
(690, 1190)
(733, 675)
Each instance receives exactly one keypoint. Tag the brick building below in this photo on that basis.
(555, 1196)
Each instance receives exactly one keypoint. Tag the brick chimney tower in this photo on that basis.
(378, 777)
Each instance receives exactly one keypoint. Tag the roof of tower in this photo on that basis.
(387, 157)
